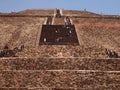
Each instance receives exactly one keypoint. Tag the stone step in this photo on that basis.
(14, 89)
(110, 88)
(59, 21)
(66, 79)
(49, 20)
(60, 64)
(31, 89)
(37, 89)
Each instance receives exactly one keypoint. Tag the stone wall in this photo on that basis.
(107, 37)
(23, 30)
(59, 73)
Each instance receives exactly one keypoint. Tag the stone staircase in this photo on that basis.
(58, 35)
(59, 21)
(49, 20)
(58, 18)
(59, 73)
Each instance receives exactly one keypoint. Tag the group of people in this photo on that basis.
(67, 21)
(58, 15)
(111, 53)
(9, 52)
(66, 31)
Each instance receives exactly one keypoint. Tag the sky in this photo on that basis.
(97, 6)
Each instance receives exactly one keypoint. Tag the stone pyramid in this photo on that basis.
(63, 50)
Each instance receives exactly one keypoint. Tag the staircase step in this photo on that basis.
(59, 64)
(59, 21)
(13, 89)
(36, 89)
(66, 79)
(27, 89)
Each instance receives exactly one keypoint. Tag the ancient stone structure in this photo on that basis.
(63, 50)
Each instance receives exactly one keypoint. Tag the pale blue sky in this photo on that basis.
(97, 6)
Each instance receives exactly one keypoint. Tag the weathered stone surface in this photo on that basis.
(78, 13)
(39, 89)
(113, 64)
(59, 79)
(60, 64)
(22, 30)
(60, 67)
(13, 89)
(41, 12)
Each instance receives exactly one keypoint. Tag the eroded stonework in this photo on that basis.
(80, 64)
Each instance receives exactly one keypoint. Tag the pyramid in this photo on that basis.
(63, 50)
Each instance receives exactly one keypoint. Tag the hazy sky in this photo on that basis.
(98, 6)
